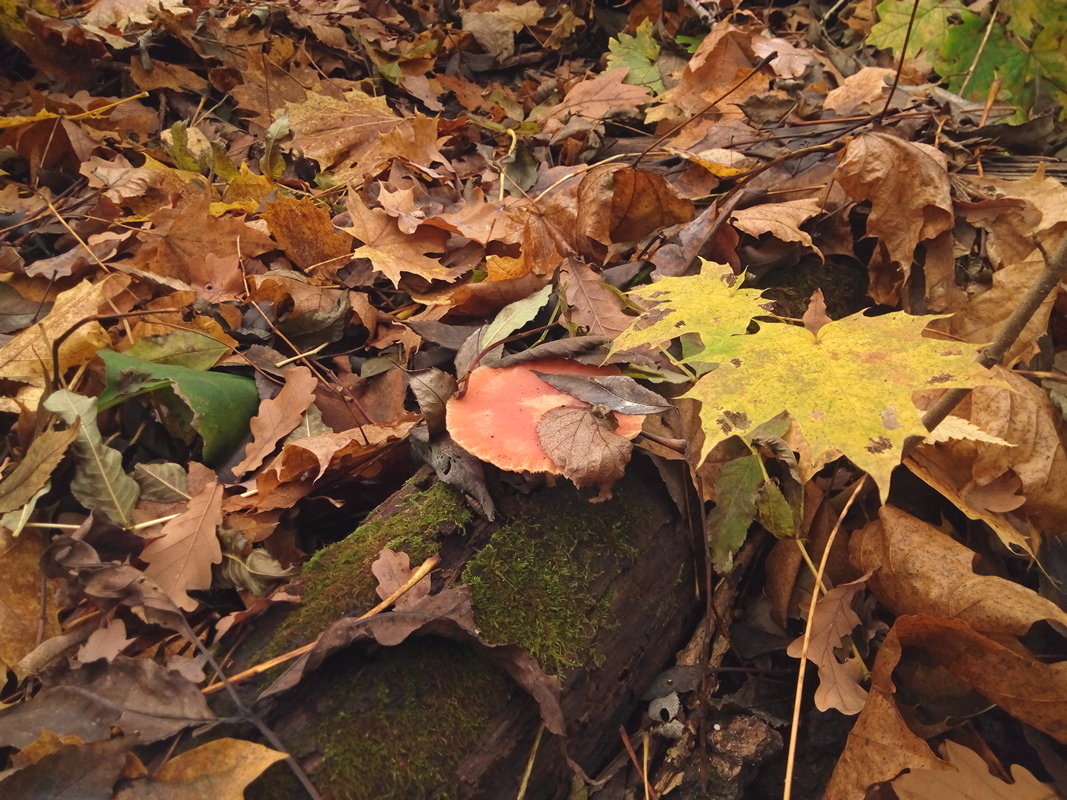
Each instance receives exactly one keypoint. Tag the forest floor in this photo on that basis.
(262, 263)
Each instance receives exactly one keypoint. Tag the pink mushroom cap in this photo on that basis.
(496, 418)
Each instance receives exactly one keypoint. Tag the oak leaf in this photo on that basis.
(970, 778)
(278, 416)
(832, 624)
(181, 558)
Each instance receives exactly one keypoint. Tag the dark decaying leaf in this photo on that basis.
(138, 696)
(44, 454)
(72, 772)
(432, 388)
(616, 392)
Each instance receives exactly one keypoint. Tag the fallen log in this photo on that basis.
(602, 595)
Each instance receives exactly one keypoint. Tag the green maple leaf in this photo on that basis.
(848, 387)
(639, 52)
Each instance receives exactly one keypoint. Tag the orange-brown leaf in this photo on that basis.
(278, 417)
(181, 558)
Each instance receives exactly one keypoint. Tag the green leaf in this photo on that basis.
(99, 482)
(1023, 48)
(933, 18)
(736, 491)
(181, 348)
(222, 404)
(775, 513)
(639, 53)
(514, 315)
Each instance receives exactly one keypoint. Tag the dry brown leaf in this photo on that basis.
(861, 92)
(21, 612)
(920, 570)
(393, 252)
(220, 769)
(982, 317)
(594, 305)
(970, 779)
(880, 745)
(344, 136)
(181, 558)
(582, 443)
(306, 234)
(908, 188)
(722, 59)
(393, 570)
(1033, 691)
(27, 358)
(592, 100)
(494, 24)
(1023, 416)
(831, 630)
(781, 220)
(187, 244)
(278, 417)
(623, 204)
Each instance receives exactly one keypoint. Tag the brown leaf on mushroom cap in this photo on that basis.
(496, 419)
(581, 441)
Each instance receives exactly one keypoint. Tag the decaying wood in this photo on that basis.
(377, 722)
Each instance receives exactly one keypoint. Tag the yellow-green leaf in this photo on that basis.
(849, 388)
(711, 304)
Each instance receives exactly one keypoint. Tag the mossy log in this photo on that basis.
(602, 594)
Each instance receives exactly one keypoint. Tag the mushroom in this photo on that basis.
(496, 419)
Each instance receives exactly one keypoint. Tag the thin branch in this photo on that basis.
(1055, 267)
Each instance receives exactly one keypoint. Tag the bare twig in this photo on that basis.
(259, 669)
(787, 789)
(1055, 267)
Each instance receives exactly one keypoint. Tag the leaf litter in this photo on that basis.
(221, 274)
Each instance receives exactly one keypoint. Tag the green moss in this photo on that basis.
(338, 582)
(395, 727)
(535, 583)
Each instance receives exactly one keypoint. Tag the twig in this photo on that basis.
(900, 64)
(259, 669)
(980, 50)
(1055, 267)
(787, 789)
(530, 762)
(649, 791)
